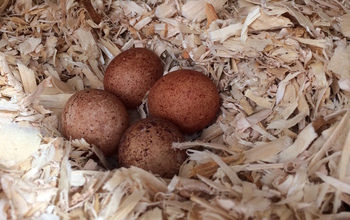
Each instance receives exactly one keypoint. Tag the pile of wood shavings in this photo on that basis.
(279, 149)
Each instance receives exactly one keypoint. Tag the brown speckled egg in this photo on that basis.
(187, 98)
(147, 144)
(97, 116)
(131, 74)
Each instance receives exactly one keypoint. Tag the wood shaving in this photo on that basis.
(344, 25)
(194, 10)
(279, 148)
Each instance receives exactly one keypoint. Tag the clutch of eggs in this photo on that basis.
(182, 101)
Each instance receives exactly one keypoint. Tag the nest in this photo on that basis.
(279, 148)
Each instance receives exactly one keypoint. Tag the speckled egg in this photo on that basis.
(187, 98)
(147, 144)
(98, 116)
(131, 74)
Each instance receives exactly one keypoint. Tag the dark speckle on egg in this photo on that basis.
(187, 98)
(97, 116)
(131, 74)
(147, 144)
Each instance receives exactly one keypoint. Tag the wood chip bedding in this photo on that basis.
(279, 149)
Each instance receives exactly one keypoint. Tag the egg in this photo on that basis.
(131, 74)
(187, 98)
(97, 116)
(147, 144)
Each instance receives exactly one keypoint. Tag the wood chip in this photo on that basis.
(210, 13)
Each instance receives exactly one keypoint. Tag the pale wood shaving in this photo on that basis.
(165, 10)
(251, 17)
(194, 10)
(341, 69)
(345, 25)
(303, 20)
(269, 22)
(344, 160)
(260, 101)
(27, 77)
(306, 136)
(279, 148)
(267, 151)
(226, 32)
(29, 45)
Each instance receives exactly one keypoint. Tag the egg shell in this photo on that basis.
(187, 98)
(98, 116)
(131, 74)
(147, 144)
